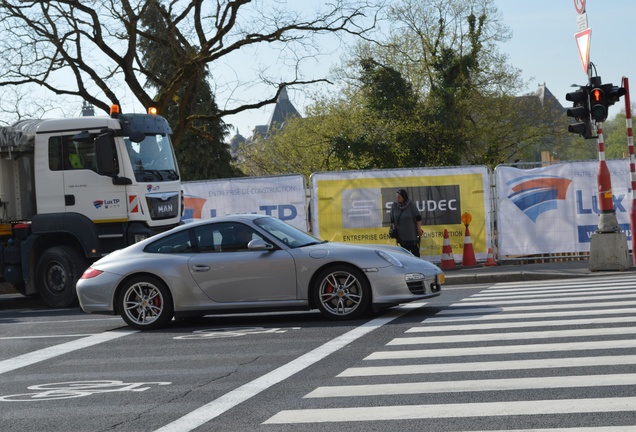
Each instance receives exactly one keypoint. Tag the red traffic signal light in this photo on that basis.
(598, 104)
(596, 95)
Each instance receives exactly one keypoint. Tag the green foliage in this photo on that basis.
(615, 136)
(435, 92)
(202, 152)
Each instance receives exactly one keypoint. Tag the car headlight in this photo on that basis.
(389, 258)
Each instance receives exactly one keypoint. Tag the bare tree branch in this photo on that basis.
(89, 49)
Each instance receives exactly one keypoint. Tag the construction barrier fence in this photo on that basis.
(517, 213)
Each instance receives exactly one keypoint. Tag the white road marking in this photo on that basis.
(442, 411)
(48, 336)
(525, 315)
(609, 331)
(58, 350)
(551, 382)
(571, 283)
(569, 362)
(522, 324)
(563, 282)
(56, 321)
(503, 349)
(574, 429)
(231, 399)
(466, 308)
(546, 299)
(552, 293)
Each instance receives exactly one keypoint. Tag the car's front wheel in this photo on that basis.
(145, 303)
(342, 292)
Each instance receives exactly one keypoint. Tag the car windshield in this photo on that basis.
(153, 158)
(291, 236)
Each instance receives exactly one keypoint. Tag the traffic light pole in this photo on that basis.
(632, 164)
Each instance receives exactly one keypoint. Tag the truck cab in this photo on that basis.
(73, 190)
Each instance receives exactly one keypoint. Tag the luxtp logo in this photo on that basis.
(537, 194)
(98, 203)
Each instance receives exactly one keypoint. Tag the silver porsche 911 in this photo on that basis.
(250, 263)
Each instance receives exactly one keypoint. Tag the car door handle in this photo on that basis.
(200, 268)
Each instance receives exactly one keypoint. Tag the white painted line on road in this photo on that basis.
(488, 366)
(503, 349)
(524, 315)
(553, 292)
(574, 429)
(610, 331)
(563, 283)
(521, 324)
(545, 299)
(423, 387)
(56, 321)
(61, 349)
(229, 400)
(439, 411)
(464, 308)
(48, 336)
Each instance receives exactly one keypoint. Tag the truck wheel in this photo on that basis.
(58, 270)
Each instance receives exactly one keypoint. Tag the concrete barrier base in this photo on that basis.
(608, 252)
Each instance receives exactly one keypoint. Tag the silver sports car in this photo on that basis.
(250, 263)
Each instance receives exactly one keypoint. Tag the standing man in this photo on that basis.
(407, 219)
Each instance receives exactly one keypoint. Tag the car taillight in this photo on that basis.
(91, 273)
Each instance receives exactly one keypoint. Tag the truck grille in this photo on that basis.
(163, 206)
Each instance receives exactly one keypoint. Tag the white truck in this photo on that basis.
(72, 190)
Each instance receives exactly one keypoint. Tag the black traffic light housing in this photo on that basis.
(603, 96)
(598, 104)
(580, 111)
(613, 93)
(591, 102)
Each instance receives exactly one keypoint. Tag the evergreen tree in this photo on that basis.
(202, 152)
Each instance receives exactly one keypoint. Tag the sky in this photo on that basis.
(542, 46)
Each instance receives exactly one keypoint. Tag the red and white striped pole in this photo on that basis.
(606, 204)
(632, 164)
(607, 221)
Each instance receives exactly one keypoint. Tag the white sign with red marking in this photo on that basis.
(579, 5)
(583, 40)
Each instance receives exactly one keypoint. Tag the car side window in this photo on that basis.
(177, 243)
(236, 236)
(208, 238)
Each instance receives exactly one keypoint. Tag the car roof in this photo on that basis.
(228, 218)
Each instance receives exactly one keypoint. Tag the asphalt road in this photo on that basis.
(512, 356)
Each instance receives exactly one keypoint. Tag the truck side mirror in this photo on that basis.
(106, 156)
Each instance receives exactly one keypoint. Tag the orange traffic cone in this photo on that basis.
(490, 261)
(448, 259)
(468, 258)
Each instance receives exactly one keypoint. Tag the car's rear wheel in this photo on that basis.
(145, 303)
(342, 292)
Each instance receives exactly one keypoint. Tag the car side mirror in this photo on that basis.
(259, 244)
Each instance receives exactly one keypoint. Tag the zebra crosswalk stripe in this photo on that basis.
(440, 411)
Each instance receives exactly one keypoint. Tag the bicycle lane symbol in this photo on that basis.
(229, 332)
(75, 389)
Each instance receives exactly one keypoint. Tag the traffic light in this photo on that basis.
(580, 111)
(603, 96)
(613, 93)
(598, 104)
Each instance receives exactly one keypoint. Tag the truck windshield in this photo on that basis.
(153, 158)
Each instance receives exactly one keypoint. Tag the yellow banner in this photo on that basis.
(354, 207)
